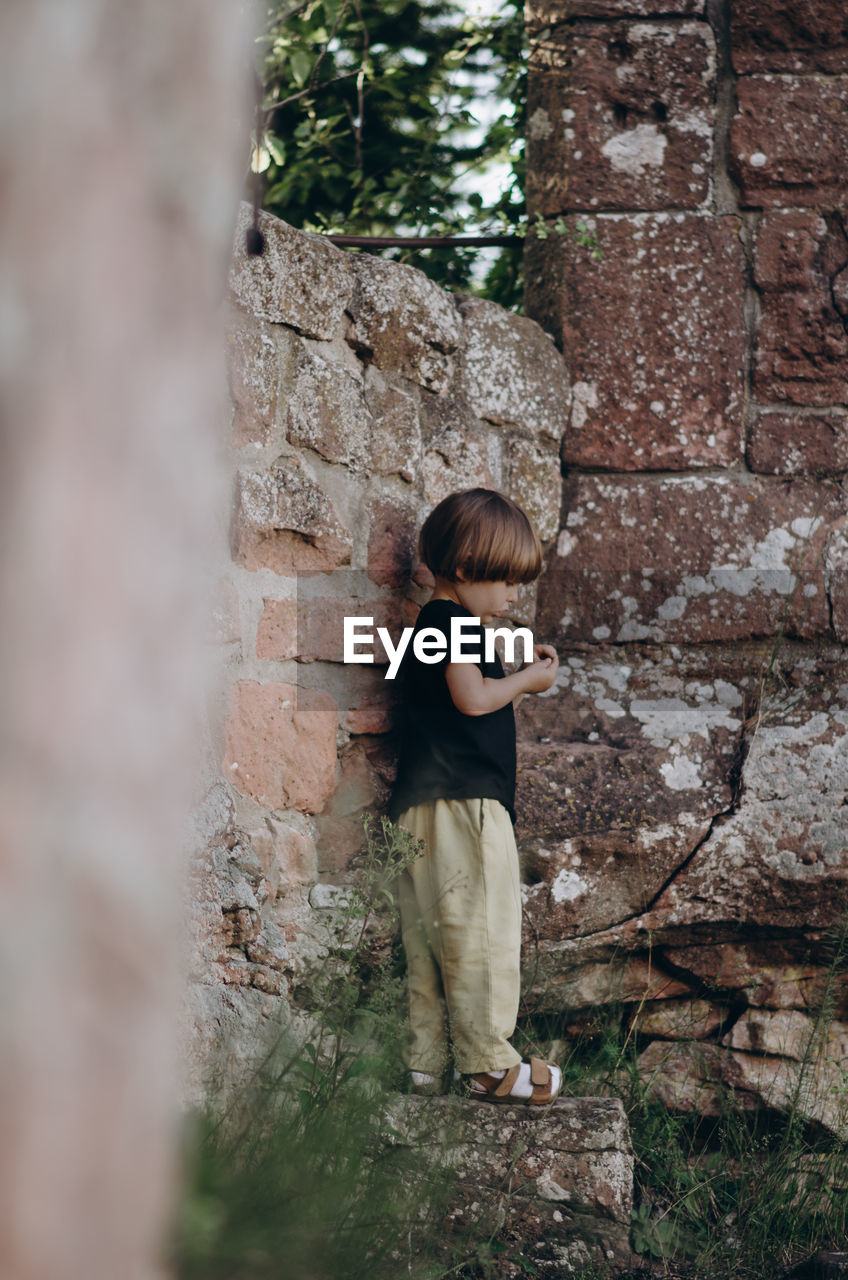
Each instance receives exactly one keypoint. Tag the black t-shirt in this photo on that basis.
(443, 753)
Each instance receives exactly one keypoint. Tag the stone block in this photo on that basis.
(362, 787)
(789, 35)
(678, 1019)
(281, 745)
(795, 444)
(276, 636)
(788, 250)
(770, 973)
(447, 411)
(622, 770)
(690, 559)
(788, 143)
(568, 1170)
(553, 983)
(253, 360)
(460, 459)
(373, 715)
(283, 520)
(534, 481)
(295, 858)
(815, 1095)
(788, 1033)
(392, 542)
(268, 948)
(741, 915)
(510, 371)
(689, 1077)
(780, 856)
(320, 625)
(325, 410)
(586, 882)
(670, 397)
(300, 280)
(703, 1078)
(404, 322)
(395, 443)
(801, 350)
(285, 851)
(620, 117)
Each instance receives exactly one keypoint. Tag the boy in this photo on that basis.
(460, 903)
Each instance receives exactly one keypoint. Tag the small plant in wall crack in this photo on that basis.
(581, 233)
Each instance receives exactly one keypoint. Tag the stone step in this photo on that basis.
(556, 1182)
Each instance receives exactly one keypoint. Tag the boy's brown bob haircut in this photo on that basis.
(483, 535)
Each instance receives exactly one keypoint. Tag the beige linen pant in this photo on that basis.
(460, 909)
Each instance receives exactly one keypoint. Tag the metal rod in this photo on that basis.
(418, 242)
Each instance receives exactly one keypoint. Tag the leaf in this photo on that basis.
(429, 69)
(276, 147)
(301, 65)
(260, 159)
(364, 1065)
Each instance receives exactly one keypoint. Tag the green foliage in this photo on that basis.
(582, 233)
(302, 1173)
(368, 107)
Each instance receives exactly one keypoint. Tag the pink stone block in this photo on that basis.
(276, 637)
(373, 715)
(281, 745)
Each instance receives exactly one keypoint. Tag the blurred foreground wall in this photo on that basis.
(121, 155)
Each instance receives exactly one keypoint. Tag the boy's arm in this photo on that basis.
(476, 695)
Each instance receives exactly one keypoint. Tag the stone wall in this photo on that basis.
(363, 394)
(683, 790)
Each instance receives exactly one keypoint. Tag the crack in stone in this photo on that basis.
(725, 190)
(840, 309)
(736, 782)
(737, 786)
(831, 616)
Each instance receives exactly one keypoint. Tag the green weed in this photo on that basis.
(303, 1174)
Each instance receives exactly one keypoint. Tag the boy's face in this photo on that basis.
(485, 600)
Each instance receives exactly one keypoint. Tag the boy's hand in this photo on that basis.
(542, 673)
(474, 695)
